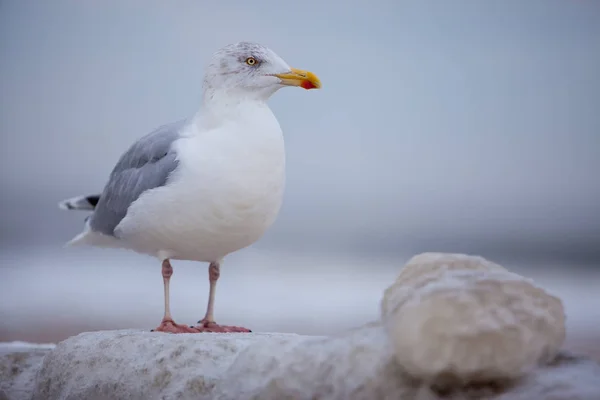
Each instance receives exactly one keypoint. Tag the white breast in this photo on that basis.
(224, 195)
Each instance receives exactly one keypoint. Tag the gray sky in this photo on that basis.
(456, 126)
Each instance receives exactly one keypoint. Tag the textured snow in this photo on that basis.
(453, 327)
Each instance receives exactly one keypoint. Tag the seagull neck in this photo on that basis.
(218, 105)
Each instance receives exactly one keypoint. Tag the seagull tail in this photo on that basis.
(80, 203)
(88, 237)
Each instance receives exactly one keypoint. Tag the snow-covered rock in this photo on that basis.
(453, 327)
(357, 365)
(462, 318)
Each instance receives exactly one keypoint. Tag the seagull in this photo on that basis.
(204, 187)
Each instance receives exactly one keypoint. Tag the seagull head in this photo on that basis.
(255, 71)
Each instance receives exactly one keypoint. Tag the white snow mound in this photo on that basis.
(462, 319)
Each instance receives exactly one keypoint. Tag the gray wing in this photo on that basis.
(145, 165)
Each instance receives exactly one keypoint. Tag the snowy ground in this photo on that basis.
(49, 294)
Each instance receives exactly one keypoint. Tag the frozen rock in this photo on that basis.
(454, 318)
(357, 365)
(145, 365)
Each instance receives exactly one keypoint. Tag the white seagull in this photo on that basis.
(205, 187)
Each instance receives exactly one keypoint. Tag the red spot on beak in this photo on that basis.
(307, 85)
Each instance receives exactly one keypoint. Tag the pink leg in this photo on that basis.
(167, 324)
(208, 324)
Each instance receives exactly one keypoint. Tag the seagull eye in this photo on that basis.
(250, 60)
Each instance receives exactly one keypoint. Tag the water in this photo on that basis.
(50, 293)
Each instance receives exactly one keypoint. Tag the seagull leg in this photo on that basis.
(167, 324)
(208, 324)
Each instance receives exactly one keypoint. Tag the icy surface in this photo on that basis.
(18, 345)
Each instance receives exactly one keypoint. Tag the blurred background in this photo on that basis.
(461, 126)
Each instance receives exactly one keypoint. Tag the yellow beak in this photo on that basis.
(298, 77)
